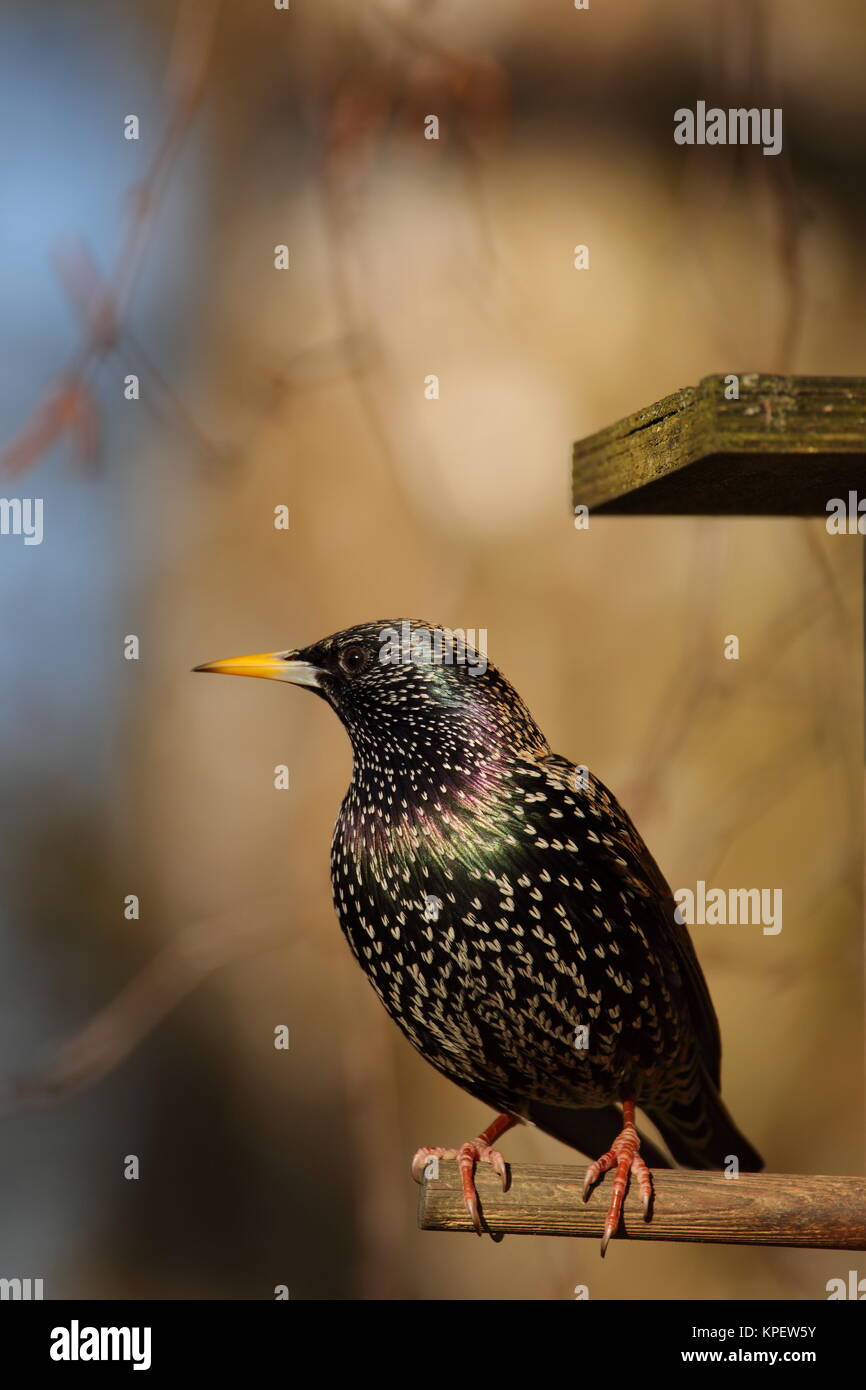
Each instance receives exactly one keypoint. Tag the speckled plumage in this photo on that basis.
(499, 900)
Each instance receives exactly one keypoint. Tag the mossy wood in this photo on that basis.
(784, 448)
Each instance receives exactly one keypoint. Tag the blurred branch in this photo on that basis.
(739, 65)
(373, 1121)
(69, 407)
(175, 971)
(779, 174)
(368, 103)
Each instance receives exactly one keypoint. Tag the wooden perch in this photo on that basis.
(755, 1209)
(783, 448)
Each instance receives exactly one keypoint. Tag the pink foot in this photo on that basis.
(468, 1156)
(623, 1156)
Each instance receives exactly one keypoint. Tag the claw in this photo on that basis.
(624, 1156)
(468, 1156)
(423, 1157)
(471, 1201)
(497, 1163)
(597, 1170)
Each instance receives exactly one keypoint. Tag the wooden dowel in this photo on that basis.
(753, 1209)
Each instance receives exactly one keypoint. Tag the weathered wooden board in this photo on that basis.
(783, 449)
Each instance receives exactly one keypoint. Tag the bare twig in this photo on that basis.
(69, 407)
(114, 1033)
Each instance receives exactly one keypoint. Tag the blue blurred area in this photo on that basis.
(68, 76)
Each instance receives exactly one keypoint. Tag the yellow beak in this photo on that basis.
(271, 666)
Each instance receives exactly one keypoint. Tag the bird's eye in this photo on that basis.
(353, 660)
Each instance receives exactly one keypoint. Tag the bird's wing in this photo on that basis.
(627, 855)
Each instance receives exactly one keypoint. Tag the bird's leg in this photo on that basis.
(468, 1157)
(625, 1157)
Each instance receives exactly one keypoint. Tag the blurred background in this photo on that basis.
(304, 388)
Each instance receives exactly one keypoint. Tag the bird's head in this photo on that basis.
(403, 688)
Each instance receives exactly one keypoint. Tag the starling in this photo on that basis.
(508, 914)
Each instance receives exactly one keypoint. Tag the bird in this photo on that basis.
(509, 915)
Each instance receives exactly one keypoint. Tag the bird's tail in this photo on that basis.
(701, 1134)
